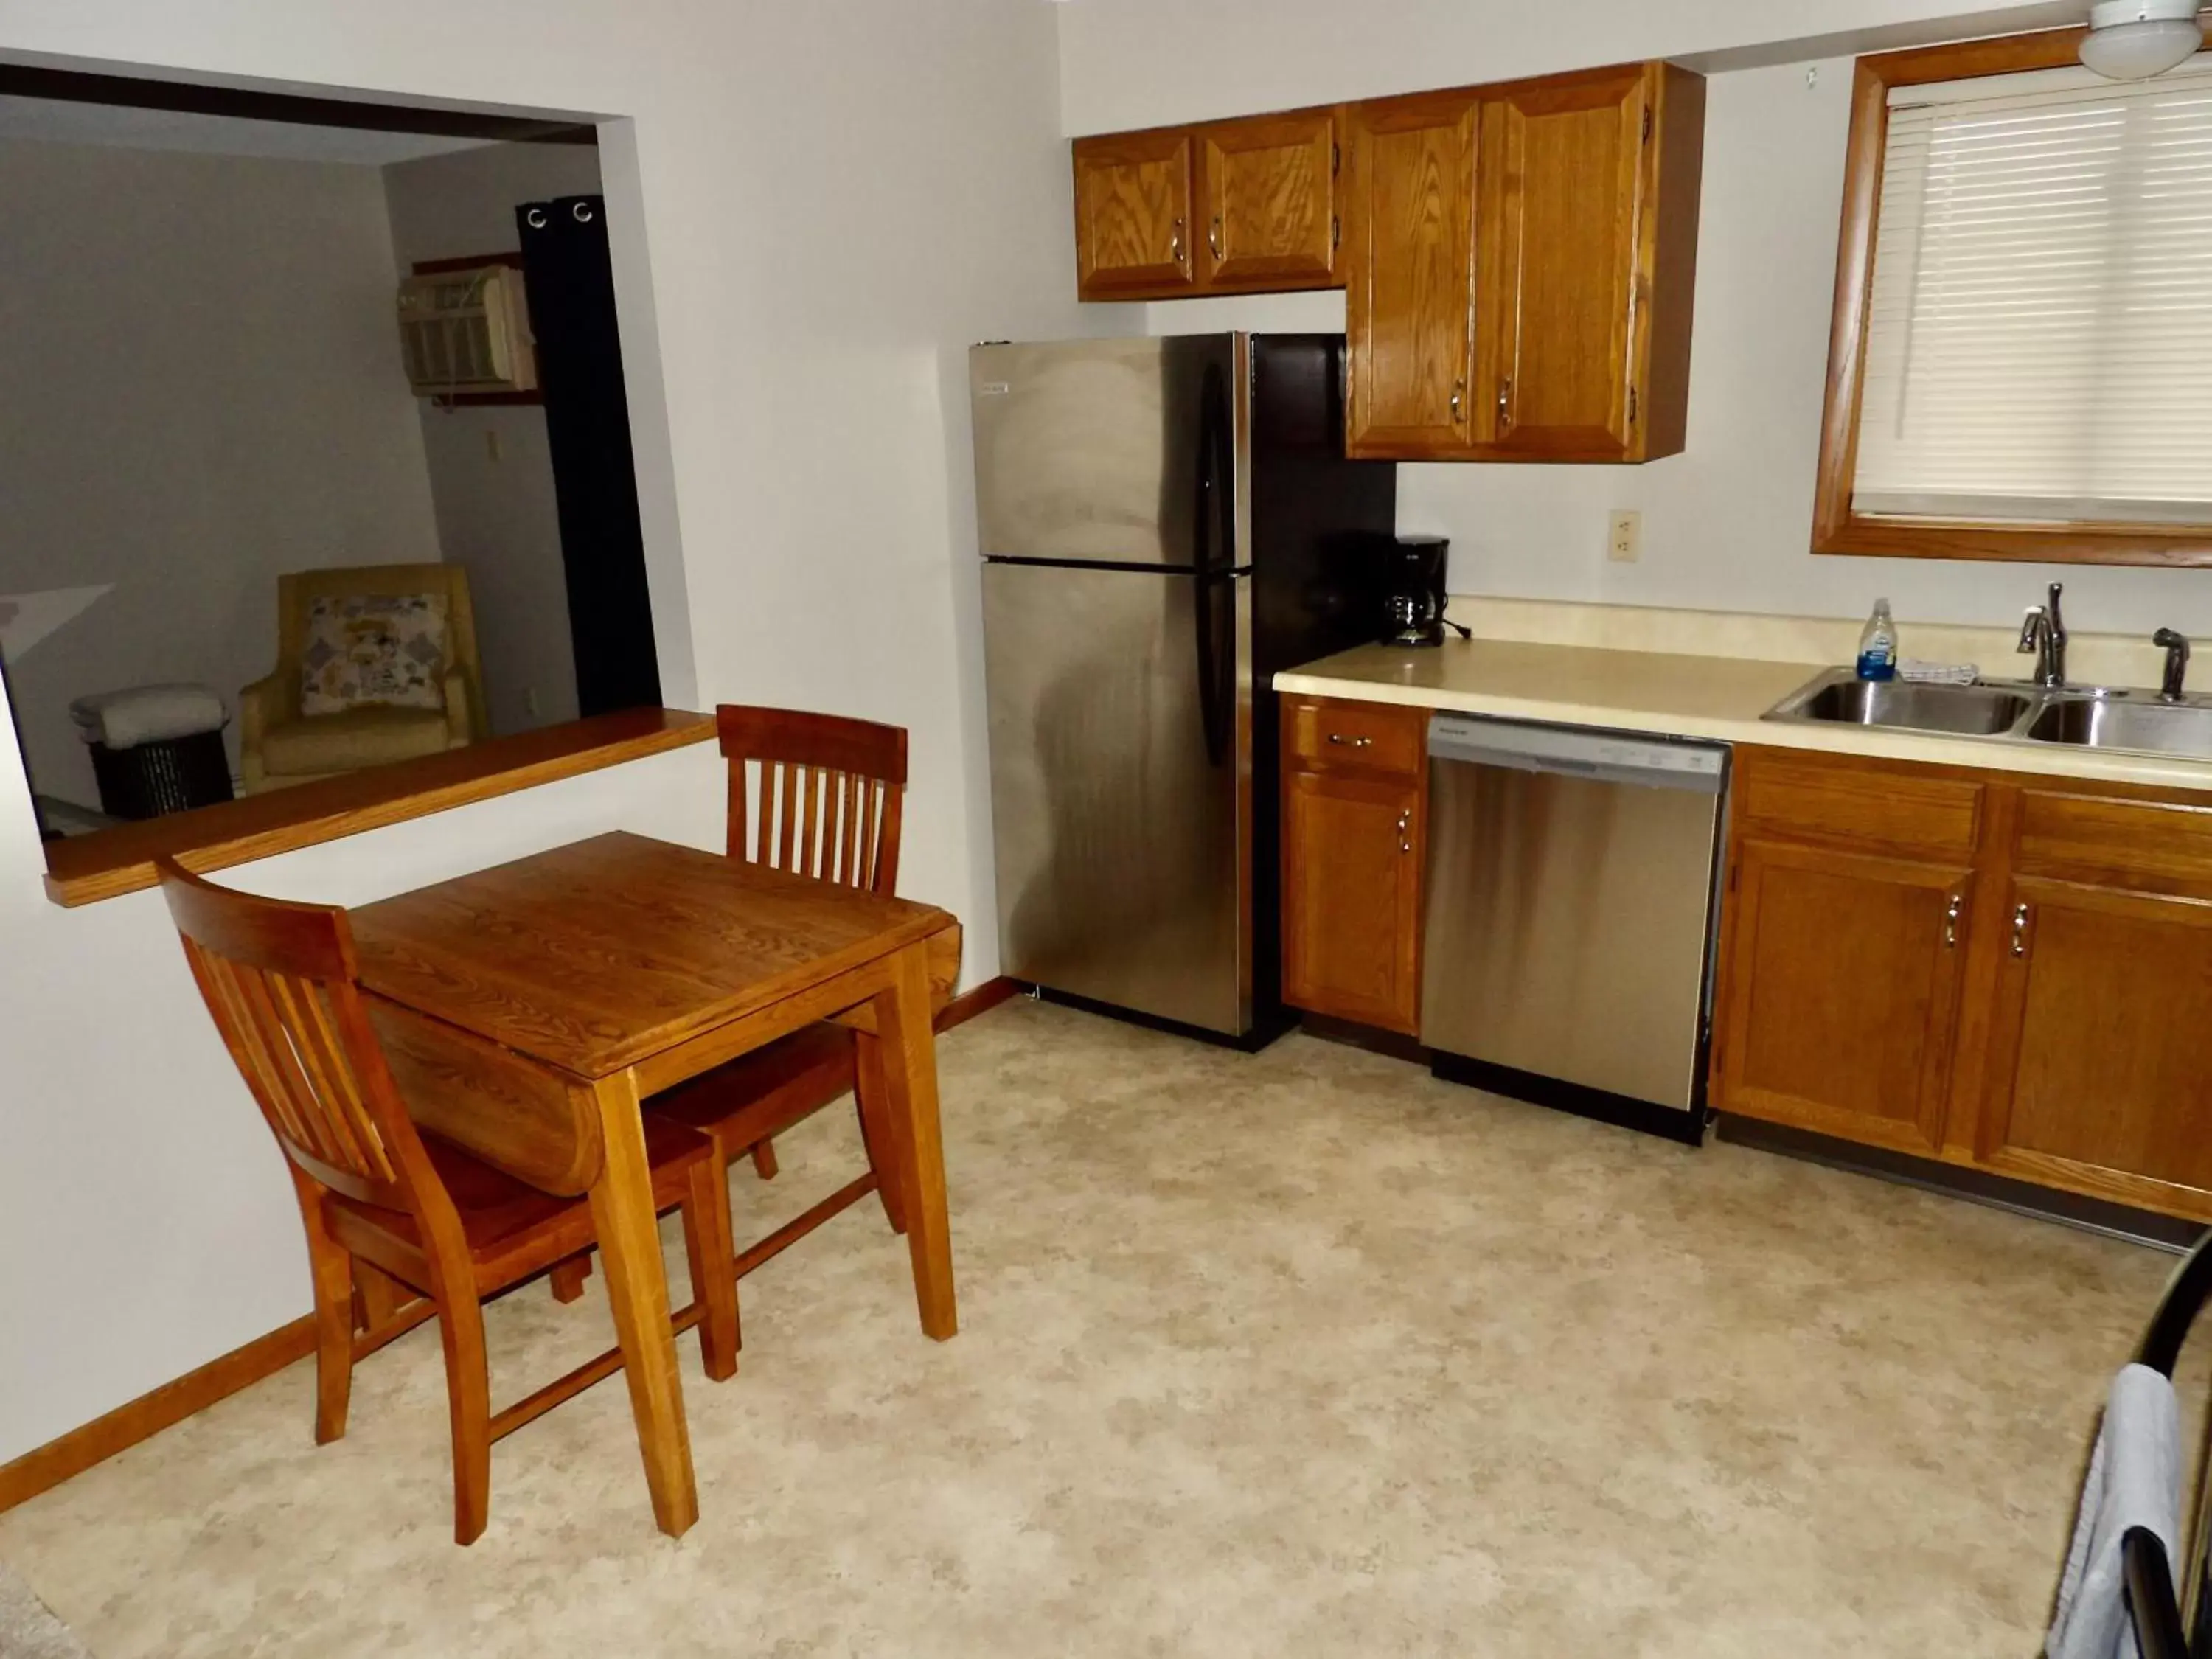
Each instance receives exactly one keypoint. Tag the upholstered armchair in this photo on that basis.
(279, 744)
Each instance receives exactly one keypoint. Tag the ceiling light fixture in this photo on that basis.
(2135, 39)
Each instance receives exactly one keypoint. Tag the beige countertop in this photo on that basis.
(1680, 696)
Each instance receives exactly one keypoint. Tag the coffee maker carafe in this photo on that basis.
(1413, 607)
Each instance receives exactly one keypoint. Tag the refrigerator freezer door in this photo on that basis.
(1120, 789)
(1090, 450)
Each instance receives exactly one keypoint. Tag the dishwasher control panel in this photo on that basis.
(1576, 751)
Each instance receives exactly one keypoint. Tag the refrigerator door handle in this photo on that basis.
(1214, 552)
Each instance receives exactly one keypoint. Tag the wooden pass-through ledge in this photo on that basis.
(82, 869)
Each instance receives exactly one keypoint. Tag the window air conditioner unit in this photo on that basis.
(466, 331)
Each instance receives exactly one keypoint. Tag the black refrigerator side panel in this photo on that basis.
(1321, 526)
(568, 276)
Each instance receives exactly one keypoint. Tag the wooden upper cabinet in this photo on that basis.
(1410, 275)
(1133, 193)
(1557, 211)
(1269, 189)
(1586, 222)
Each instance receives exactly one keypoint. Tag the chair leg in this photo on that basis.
(568, 1276)
(330, 1264)
(764, 1159)
(712, 1255)
(468, 1399)
(869, 1097)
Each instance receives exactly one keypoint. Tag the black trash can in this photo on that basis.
(155, 749)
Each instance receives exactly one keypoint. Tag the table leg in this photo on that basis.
(909, 1076)
(637, 1293)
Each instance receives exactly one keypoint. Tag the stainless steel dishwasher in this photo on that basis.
(1571, 912)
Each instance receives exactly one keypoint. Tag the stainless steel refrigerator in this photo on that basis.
(1164, 523)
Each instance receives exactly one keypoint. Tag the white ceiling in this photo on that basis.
(59, 120)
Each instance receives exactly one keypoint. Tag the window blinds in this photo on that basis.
(2039, 339)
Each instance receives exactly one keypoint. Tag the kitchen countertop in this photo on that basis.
(1683, 696)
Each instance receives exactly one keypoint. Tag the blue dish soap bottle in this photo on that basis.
(1878, 645)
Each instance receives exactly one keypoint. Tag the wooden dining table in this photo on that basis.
(528, 1010)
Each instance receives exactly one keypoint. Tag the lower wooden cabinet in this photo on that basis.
(1985, 968)
(1354, 800)
(1847, 974)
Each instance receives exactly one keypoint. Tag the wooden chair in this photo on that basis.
(280, 981)
(820, 796)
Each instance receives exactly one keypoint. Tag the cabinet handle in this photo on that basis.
(1458, 397)
(1505, 403)
(1951, 920)
(1406, 831)
(1213, 236)
(1356, 743)
(2020, 930)
(1174, 243)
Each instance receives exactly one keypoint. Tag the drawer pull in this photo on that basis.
(1354, 742)
(1406, 831)
(1951, 921)
(2020, 930)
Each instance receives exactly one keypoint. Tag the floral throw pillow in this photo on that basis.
(363, 649)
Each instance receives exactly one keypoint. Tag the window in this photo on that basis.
(2022, 366)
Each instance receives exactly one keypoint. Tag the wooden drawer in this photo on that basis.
(1858, 803)
(1331, 734)
(2144, 845)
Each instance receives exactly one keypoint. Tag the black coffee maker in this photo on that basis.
(1413, 603)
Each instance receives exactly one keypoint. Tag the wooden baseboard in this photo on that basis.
(980, 1001)
(48, 1466)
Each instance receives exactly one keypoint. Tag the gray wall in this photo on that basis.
(200, 387)
(491, 477)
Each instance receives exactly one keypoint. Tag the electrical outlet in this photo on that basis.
(530, 702)
(491, 444)
(1623, 535)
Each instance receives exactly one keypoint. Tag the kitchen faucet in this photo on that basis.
(2043, 631)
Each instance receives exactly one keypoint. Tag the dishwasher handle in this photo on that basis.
(1580, 752)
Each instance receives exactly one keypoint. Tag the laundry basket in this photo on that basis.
(155, 749)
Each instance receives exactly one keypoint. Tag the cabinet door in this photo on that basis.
(1558, 217)
(2100, 1065)
(1352, 896)
(1270, 193)
(1843, 976)
(1133, 196)
(1409, 269)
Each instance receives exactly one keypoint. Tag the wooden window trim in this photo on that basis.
(1836, 527)
(84, 869)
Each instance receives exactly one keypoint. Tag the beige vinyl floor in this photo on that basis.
(1303, 1353)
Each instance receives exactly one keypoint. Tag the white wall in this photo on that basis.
(1727, 524)
(491, 472)
(837, 198)
(199, 388)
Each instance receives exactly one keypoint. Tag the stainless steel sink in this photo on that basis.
(1968, 710)
(2157, 728)
(2090, 717)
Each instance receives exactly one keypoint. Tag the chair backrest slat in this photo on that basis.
(278, 979)
(827, 791)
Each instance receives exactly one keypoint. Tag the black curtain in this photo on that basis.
(570, 282)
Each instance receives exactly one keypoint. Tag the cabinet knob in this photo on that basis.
(2020, 930)
(1406, 831)
(1174, 243)
(1213, 236)
(1951, 920)
(1458, 397)
(1504, 403)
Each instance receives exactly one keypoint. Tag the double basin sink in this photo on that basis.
(2082, 717)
